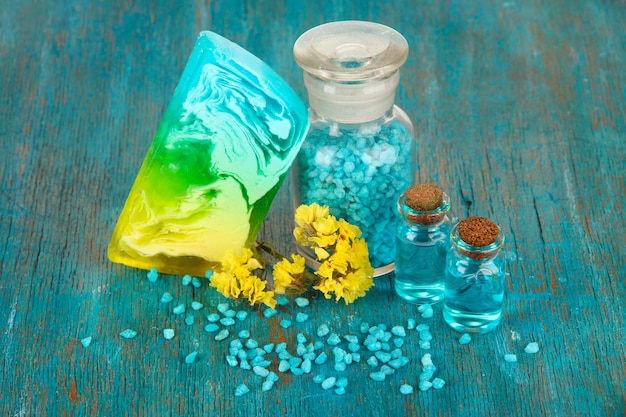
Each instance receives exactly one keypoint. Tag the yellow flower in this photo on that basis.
(236, 279)
(289, 275)
(306, 215)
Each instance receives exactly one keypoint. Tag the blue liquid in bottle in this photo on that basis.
(422, 243)
(474, 288)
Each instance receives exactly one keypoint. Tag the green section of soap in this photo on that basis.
(228, 137)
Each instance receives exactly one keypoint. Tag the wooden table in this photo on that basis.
(519, 109)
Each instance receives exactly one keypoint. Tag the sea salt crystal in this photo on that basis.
(532, 347)
(86, 341)
(438, 383)
(191, 357)
(211, 327)
(406, 389)
(425, 385)
(223, 334)
(166, 297)
(186, 280)
(241, 315)
(302, 301)
(302, 317)
(378, 376)
(329, 382)
(153, 275)
(196, 282)
(241, 389)
(465, 339)
(128, 334)
(269, 312)
(398, 331)
(323, 330)
(196, 305)
(168, 334)
(179, 309)
(510, 357)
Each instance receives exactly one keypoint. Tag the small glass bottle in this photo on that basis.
(359, 154)
(422, 243)
(475, 274)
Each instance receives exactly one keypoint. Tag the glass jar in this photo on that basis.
(474, 283)
(422, 244)
(359, 154)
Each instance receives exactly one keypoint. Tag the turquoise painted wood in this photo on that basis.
(520, 112)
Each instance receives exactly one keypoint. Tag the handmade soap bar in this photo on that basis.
(227, 139)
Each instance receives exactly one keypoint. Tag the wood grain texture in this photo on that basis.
(520, 113)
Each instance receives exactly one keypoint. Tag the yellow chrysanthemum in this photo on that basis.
(306, 215)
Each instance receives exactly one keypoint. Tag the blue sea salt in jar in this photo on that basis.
(475, 276)
(359, 155)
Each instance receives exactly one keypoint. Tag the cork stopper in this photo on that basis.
(424, 197)
(478, 231)
(426, 201)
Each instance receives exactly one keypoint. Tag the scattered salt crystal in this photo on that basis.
(191, 357)
(398, 342)
(231, 361)
(383, 356)
(241, 389)
(269, 347)
(272, 376)
(243, 364)
(281, 300)
(128, 334)
(424, 344)
(302, 317)
(378, 376)
(213, 317)
(398, 331)
(86, 341)
(428, 314)
(196, 305)
(373, 347)
(532, 347)
(166, 298)
(196, 282)
(283, 366)
(372, 361)
(244, 334)
(318, 378)
(223, 334)
(241, 315)
(208, 274)
(189, 320)
(425, 385)
(211, 327)
(364, 327)
(296, 371)
(510, 357)
(281, 347)
(333, 339)
(465, 339)
(227, 321)
(302, 301)
(321, 358)
(406, 389)
(153, 275)
(323, 330)
(342, 382)
(269, 312)
(285, 323)
(179, 309)
(329, 382)
(340, 366)
(411, 324)
(262, 372)
(186, 279)
(354, 347)
(267, 385)
(421, 327)
(426, 336)
(306, 366)
(438, 383)
(252, 344)
(223, 307)
(230, 313)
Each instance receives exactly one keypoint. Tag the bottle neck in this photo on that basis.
(351, 102)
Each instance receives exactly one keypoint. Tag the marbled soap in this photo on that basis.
(228, 137)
